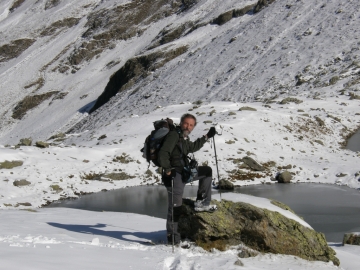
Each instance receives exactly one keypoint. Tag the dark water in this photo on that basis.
(354, 142)
(333, 210)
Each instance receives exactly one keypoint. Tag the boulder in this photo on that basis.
(21, 183)
(253, 164)
(25, 142)
(266, 231)
(246, 108)
(284, 177)
(11, 164)
(225, 185)
(41, 144)
(352, 239)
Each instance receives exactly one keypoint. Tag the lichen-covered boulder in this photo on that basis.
(225, 185)
(253, 164)
(263, 230)
(284, 177)
(352, 239)
(21, 183)
(11, 164)
(41, 144)
(25, 142)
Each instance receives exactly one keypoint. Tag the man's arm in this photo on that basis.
(196, 145)
(167, 148)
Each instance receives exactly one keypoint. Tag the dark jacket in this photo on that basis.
(170, 154)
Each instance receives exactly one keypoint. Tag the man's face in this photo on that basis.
(187, 125)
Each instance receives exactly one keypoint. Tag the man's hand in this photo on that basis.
(211, 133)
(168, 177)
(171, 173)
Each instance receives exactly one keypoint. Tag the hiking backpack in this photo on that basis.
(155, 140)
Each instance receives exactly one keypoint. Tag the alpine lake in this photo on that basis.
(330, 209)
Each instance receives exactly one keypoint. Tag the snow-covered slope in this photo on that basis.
(286, 49)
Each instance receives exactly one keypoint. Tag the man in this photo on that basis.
(173, 159)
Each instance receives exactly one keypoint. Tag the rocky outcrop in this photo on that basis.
(351, 239)
(262, 4)
(133, 69)
(41, 144)
(284, 177)
(227, 16)
(105, 27)
(29, 103)
(25, 142)
(14, 49)
(225, 185)
(21, 183)
(253, 164)
(51, 3)
(260, 229)
(16, 4)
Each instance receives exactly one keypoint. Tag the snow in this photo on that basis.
(257, 70)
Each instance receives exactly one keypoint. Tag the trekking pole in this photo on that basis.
(172, 212)
(217, 167)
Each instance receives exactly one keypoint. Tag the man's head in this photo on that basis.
(187, 124)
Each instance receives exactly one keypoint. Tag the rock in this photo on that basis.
(11, 164)
(284, 177)
(21, 183)
(25, 204)
(56, 188)
(351, 239)
(319, 142)
(253, 164)
(290, 100)
(266, 231)
(25, 142)
(223, 18)
(262, 4)
(41, 144)
(226, 185)
(58, 136)
(247, 109)
(102, 137)
(334, 80)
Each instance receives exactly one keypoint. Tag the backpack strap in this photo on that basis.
(182, 158)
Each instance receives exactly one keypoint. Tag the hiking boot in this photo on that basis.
(176, 239)
(199, 206)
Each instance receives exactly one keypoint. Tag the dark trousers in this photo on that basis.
(204, 193)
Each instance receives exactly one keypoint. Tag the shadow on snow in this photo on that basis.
(130, 235)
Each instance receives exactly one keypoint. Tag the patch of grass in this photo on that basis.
(119, 176)
(242, 175)
(91, 176)
(124, 158)
(38, 83)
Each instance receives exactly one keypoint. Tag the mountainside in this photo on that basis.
(60, 60)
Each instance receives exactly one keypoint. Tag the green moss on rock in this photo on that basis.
(237, 223)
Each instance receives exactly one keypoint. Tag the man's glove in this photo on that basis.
(211, 132)
(168, 178)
